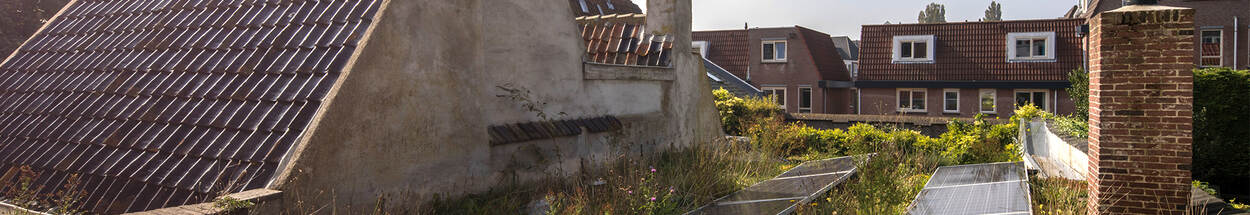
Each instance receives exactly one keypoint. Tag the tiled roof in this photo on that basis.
(730, 49)
(824, 54)
(540, 130)
(603, 7)
(970, 51)
(849, 50)
(168, 102)
(623, 43)
(731, 82)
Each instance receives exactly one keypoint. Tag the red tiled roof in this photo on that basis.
(625, 44)
(163, 103)
(970, 51)
(603, 7)
(824, 54)
(731, 49)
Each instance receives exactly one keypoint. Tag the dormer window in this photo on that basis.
(1031, 47)
(774, 50)
(913, 49)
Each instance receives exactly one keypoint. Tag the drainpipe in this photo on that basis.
(1236, 35)
(748, 72)
(859, 100)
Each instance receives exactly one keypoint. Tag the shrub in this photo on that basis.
(738, 112)
(1070, 125)
(979, 141)
(1221, 153)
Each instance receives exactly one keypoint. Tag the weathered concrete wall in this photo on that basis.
(410, 119)
(1057, 157)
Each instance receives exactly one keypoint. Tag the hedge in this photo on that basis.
(1222, 129)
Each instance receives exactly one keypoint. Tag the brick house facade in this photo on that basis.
(963, 69)
(1222, 28)
(799, 65)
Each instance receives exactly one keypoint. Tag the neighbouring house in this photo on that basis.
(849, 51)
(351, 105)
(1221, 28)
(968, 68)
(799, 67)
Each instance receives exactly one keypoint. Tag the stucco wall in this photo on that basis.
(410, 120)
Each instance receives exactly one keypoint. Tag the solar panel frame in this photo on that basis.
(1013, 175)
(841, 171)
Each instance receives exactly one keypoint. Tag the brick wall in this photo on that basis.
(1141, 97)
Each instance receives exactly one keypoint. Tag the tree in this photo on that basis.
(995, 12)
(934, 13)
(1079, 92)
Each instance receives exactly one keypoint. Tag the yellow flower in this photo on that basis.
(813, 204)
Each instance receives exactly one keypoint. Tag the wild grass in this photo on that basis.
(884, 184)
(1058, 196)
(664, 183)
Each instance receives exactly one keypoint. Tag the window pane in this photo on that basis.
(1022, 99)
(1039, 99)
(768, 51)
(952, 101)
(917, 100)
(1039, 48)
(781, 97)
(781, 50)
(905, 49)
(805, 98)
(1211, 47)
(904, 99)
(1022, 48)
(922, 50)
(987, 101)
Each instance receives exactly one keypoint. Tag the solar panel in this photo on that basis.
(784, 193)
(994, 188)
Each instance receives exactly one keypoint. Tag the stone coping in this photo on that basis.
(598, 71)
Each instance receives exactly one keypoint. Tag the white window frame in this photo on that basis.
(929, 41)
(993, 96)
(1200, 42)
(1046, 93)
(784, 95)
(944, 100)
(811, 99)
(1050, 46)
(784, 54)
(911, 107)
(701, 45)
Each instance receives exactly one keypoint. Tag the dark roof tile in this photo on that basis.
(151, 100)
(729, 49)
(970, 51)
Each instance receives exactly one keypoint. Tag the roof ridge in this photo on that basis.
(979, 22)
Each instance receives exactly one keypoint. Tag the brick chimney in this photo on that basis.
(1141, 110)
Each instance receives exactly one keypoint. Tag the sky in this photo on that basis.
(844, 17)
